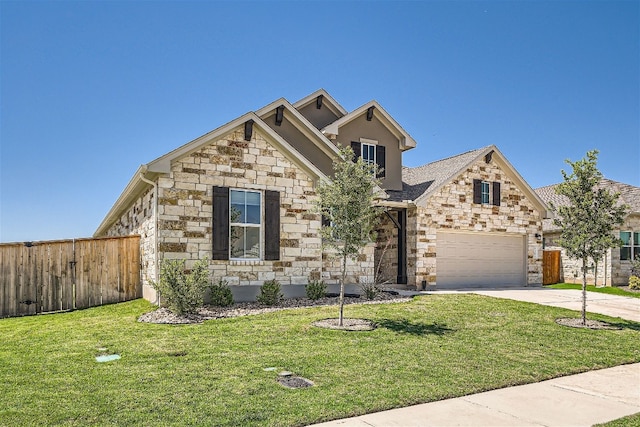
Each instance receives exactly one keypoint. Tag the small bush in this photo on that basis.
(634, 283)
(315, 289)
(370, 289)
(270, 293)
(635, 267)
(182, 292)
(220, 294)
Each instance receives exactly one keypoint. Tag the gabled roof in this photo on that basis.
(141, 180)
(302, 124)
(406, 141)
(327, 100)
(421, 182)
(629, 195)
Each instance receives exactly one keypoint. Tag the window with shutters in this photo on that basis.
(369, 153)
(485, 194)
(245, 223)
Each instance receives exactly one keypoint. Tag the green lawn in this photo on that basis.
(432, 348)
(630, 421)
(590, 288)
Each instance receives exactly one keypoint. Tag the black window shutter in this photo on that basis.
(357, 150)
(271, 225)
(380, 160)
(477, 191)
(220, 225)
(496, 193)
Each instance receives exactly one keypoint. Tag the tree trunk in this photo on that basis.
(584, 292)
(344, 275)
(595, 274)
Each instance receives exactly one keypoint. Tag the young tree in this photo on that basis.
(347, 204)
(588, 220)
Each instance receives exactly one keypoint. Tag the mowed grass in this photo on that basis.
(612, 290)
(432, 348)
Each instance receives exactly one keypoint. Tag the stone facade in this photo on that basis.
(184, 216)
(611, 270)
(452, 208)
(140, 219)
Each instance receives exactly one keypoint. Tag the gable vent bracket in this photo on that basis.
(370, 113)
(279, 115)
(488, 156)
(248, 130)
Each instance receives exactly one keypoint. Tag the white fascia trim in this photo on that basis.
(302, 124)
(163, 164)
(406, 141)
(133, 188)
(507, 167)
(520, 181)
(333, 105)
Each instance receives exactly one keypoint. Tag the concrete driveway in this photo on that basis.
(609, 305)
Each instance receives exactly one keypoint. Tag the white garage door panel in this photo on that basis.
(477, 260)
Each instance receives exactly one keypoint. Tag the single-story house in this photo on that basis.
(615, 268)
(241, 195)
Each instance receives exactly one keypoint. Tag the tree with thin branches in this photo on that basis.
(347, 202)
(589, 219)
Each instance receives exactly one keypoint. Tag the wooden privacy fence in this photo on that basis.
(40, 277)
(550, 267)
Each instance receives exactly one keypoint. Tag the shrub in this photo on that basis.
(315, 289)
(635, 267)
(182, 292)
(634, 283)
(370, 289)
(220, 293)
(270, 293)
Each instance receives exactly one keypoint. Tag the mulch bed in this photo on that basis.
(164, 316)
(575, 322)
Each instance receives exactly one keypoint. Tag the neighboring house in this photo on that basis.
(242, 196)
(615, 267)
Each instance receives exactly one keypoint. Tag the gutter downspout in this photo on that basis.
(155, 227)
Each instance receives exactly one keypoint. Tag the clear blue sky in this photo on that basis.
(91, 90)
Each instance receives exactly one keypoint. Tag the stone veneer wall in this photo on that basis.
(185, 209)
(452, 208)
(139, 219)
(359, 271)
(386, 250)
(617, 271)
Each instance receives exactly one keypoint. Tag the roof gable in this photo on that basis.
(421, 182)
(406, 141)
(327, 100)
(301, 123)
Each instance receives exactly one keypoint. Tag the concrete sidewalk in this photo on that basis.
(610, 305)
(577, 400)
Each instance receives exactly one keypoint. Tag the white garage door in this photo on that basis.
(480, 260)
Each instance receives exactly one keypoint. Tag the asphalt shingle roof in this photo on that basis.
(426, 178)
(629, 195)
